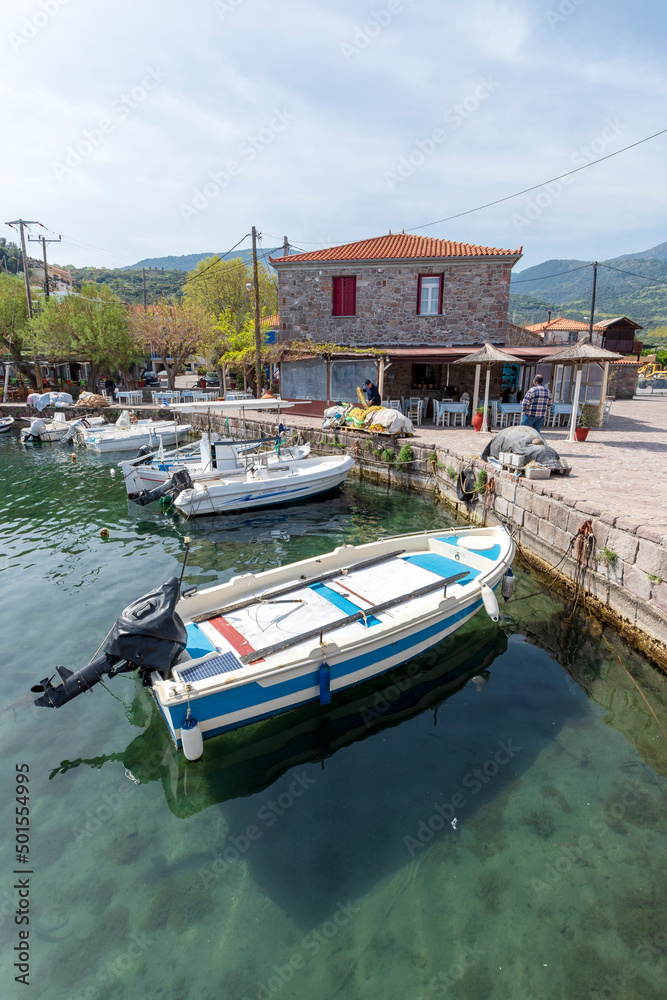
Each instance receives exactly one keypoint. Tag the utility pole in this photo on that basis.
(43, 240)
(258, 342)
(595, 281)
(285, 247)
(143, 271)
(21, 223)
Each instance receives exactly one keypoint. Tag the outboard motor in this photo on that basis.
(179, 481)
(37, 426)
(148, 636)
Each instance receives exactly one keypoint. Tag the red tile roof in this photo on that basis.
(398, 246)
(560, 323)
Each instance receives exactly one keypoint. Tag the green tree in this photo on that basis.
(91, 326)
(221, 286)
(14, 324)
(10, 257)
(175, 332)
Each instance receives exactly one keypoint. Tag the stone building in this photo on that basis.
(618, 334)
(396, 290)
(414, 298)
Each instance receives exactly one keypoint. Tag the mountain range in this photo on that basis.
(188, 262)
(634, 285)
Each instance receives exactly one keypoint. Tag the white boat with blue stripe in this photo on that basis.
(264, 643)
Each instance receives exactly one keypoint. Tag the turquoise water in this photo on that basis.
(428, 836)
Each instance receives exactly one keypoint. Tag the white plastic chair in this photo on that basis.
(396, 404)
(607, 409)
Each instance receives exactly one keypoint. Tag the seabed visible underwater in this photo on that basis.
(488, 822)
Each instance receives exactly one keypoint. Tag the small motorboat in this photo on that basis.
(6, 424)
(126, 434)
(58, 428)
(207, 459)
(262, 486)
(264, 643)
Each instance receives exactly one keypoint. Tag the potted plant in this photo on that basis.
(584, 422)
(478, 419)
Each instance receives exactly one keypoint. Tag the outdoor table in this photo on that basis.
(134, 397)
(509, 413)
(445, 410)
(166, 396)
(557, 411)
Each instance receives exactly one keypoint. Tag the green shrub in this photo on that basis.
(388, 456)
(480, 481)
(405, 455)
(433, 458)
(451, 472)
(609, 556)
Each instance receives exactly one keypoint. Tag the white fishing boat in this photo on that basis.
(264, 643)
(57, 428)
(212, 456)
(126, 434)
(261, 486)
(6, 424)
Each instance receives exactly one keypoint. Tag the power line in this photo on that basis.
(543, 277)
(217, 260)
(660, 281)
(517, 194)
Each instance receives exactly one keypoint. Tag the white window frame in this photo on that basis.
(429, 303)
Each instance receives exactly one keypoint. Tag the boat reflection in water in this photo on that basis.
(249, 760)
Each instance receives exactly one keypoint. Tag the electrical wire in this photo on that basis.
(660, 281)
(543, 277)
(517, 194)
(217, 260)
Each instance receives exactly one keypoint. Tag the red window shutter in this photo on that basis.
(337, 296)
(419, 295)
(344, 296)
(350, 296)
(442, 282)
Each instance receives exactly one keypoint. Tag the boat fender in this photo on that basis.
(74, 456)
(490, 603)
(192, 739)
(325, 684)
(104, 533)
(507, 587)
(465, 485)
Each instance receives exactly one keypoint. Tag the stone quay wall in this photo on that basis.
(474, 304)
(625, 576)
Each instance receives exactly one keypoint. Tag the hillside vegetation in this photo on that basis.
(565, 286)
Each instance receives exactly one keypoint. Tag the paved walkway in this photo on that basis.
(621, 469)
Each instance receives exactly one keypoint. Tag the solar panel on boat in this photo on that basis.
(222, 664)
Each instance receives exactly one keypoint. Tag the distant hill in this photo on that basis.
(565, 286)
(190, 260)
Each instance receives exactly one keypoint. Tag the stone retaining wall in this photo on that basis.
(625, 575)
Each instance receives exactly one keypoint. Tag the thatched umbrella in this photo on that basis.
(488, 356)
(580, 354)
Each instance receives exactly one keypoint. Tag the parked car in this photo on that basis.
(150, 378)
(212, 379)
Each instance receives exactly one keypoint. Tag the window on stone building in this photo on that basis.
(429, 299)
(426, 376)
(573, 337)
(345, 296)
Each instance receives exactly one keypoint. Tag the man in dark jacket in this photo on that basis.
(372, 393)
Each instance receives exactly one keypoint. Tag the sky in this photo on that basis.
(151, 128)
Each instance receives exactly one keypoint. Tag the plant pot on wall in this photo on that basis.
(478, 420)
(581, 433)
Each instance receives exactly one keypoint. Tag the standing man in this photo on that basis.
(372, 393)
(536, 404)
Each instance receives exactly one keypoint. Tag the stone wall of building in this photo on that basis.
(623, 380)
(474, 304)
